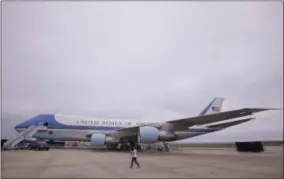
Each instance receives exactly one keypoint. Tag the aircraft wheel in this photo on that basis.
(139, 147)
(160, 149)
(122, 148)
(126, 148)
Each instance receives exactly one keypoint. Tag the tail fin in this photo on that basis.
(213, 107)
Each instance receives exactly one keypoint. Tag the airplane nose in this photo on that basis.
(17, 127)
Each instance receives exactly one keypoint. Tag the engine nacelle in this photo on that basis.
(166, 136)
(148, 135)
(102, 140)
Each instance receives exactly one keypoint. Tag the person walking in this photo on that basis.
(134, 157)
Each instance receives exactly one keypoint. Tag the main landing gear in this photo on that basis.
(126, 146)
(166, 146)
(163, 147)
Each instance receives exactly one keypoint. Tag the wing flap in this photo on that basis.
(229, 124)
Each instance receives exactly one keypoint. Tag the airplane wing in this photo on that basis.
(183, 124)
(229, 124)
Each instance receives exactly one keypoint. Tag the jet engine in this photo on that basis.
(100, 140)
(148, 135)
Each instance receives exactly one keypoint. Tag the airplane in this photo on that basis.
(111, 133)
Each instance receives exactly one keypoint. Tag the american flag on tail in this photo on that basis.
(216, 109)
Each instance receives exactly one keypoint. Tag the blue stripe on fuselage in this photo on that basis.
(53, 124)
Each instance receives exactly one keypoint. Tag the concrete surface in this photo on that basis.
(187, 163)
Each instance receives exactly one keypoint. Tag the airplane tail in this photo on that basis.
(213, 107)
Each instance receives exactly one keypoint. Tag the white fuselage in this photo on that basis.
(76, 128)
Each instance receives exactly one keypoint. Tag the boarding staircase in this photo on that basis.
(24, 135)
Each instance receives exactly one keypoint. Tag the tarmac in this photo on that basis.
(182, 163)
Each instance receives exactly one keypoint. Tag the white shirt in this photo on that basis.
(134, 153)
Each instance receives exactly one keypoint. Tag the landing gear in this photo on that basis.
(138, 147)
(149, 147)
(126, 146)
(160, 149)
(123, 145)
(50, 141)
(163, 147)
(166, 146)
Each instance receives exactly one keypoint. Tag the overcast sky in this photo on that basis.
(143, 60)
